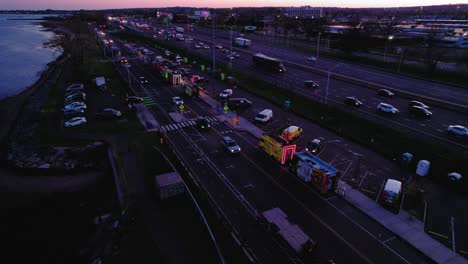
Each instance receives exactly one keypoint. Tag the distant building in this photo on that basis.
(302, 12)
(201, 14)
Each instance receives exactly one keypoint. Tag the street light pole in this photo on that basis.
(328, 80)
(128, 74)
(213, 44)
(318, 44)
(386, 44)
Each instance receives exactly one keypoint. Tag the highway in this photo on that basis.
(268, 45)
(245, 185)
(432, 129)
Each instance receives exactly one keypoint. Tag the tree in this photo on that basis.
(314, 26)
(432, 54)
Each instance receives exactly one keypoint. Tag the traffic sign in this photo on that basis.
(226, 108)
(181, 107)
(235, 120)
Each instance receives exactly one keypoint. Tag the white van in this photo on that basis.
(264, 116)
(391, 193)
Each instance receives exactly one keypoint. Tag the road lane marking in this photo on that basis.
(390, 239)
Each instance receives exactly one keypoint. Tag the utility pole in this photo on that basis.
(213, 43)
(318, 44)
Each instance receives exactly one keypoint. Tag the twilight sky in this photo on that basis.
(104, 4)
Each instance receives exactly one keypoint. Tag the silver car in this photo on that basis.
(231, 145)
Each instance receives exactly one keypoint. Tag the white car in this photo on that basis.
(386, 108)
(177, 100)
(454, 176)
(198, 46)
(311, 59)
(219, 46)
(458, 130)
(75, 105)
(75, 121)
(226, 93)
(206, 47)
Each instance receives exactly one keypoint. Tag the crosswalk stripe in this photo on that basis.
(192, 123)
(172, 127)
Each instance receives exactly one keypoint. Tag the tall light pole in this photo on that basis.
(318, 43)
(213, 43)
(128, 74)
(385, 50)
(328, 80)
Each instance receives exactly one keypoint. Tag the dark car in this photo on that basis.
(134, 100)
(417, 103)
(238, 103)
(201, 79)
(143, 80)
(314, 146)
(109, 113)
(73, 113)
(311, 84)
(420, 111)
(203, 123)
(74, 98)
(385, 93)
(352, 101)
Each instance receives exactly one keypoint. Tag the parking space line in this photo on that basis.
(378, 195)
(346, 171)
(390, 239)
(363, 178)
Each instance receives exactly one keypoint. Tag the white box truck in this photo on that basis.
(242, 42)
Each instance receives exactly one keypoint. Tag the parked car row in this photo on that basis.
(74, 105)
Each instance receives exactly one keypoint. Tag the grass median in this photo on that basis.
(383, 139)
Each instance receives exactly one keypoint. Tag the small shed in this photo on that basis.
(168, 185)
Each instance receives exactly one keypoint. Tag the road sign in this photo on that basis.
(181, 107)
(226, 108)
(235, 120)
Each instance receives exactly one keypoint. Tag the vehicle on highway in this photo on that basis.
(385, 93)
(235, 54)
(314, 171)
(230, 56)
(387, 109)
(231, 145)
(353, 101)
(143, 80)
(420, 112)
(226, 51)
(200, 79)
(310, 84)
(218, 46)
(198, 46)
(267, 62)
(295, 238)
(109, 113)
(458, 130)
(201, 43)
(242, 42)
(203, 123)
(264, 116)
(70, 93)
(123, 60)
(391, 193)
(134, 100)
(75, 121)
(206, 46)
(311, 59)
(314, 145)
(277, 148)
(291, 133)
(238, 103)
(226, 93)
(177, 100)
(417, 103)
(75, 105)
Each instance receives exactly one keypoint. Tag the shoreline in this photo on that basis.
(11, 106)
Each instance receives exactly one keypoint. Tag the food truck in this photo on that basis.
(315, 171)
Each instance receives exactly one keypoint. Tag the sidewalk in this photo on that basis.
(228, 118)
(403, 225)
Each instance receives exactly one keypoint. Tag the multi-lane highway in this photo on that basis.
(247, 184)
(433, 129)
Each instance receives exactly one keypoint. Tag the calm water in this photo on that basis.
(23, 56)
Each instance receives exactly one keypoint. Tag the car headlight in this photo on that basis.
(202, 126)
(232, 150)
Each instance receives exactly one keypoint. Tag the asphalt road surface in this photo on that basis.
(433, 129)
(251, 182)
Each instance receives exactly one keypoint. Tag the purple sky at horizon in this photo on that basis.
(106, 4)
